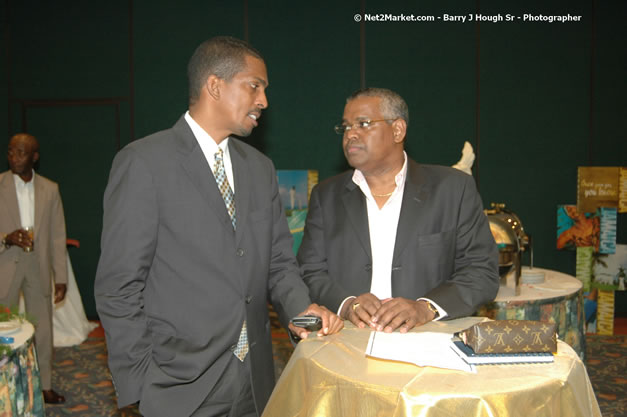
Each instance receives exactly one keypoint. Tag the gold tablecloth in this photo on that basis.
(332, 377)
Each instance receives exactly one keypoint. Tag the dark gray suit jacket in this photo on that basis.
(175, 282)
(444, 249)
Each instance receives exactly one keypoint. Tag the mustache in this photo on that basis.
(353, 142)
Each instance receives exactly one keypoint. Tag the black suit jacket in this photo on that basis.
(444, 249)
(175, 282)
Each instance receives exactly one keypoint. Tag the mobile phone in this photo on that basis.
(310, 323)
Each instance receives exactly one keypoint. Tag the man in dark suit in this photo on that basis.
(32, 265)
(395, 244)
(194, 244)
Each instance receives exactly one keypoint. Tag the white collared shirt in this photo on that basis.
(382, 224)
(210, 147)
(25, 200)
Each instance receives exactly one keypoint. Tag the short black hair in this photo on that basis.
(392, 104)
(223, 56)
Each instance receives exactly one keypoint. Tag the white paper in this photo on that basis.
(422, 349)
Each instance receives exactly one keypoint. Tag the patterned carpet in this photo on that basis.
(81, 374)
(606, 362)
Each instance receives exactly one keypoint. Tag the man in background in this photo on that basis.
(194, 244)
(33, 250)
(394, 244)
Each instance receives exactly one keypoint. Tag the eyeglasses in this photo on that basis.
(362, 124)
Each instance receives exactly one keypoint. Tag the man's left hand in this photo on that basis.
(59, 292)
(331, 323)
(401, 313)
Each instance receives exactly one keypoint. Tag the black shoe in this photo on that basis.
(51, 397)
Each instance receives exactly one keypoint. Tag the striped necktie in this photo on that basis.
(223, 185)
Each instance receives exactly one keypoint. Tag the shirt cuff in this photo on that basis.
(339, 310)
(442, 312)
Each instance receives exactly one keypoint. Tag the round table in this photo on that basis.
(20, 389)
(332, 376)
(558, 299)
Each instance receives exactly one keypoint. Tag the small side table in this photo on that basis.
(20, 386)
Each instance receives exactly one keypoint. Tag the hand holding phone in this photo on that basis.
(309, 323)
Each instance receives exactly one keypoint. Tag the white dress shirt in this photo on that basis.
(25, 200)
(382, 224)
(210, 147)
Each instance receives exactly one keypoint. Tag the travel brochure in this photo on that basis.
(590, 228)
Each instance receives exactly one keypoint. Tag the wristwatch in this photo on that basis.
(432, 308)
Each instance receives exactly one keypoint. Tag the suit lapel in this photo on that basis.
(241, 177)
(195, 165)
(39, 199)
(357, 213)
(414, 197)
(8, 191)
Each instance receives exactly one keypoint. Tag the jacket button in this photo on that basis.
(240, 252)
(368, 267)
(249, 298)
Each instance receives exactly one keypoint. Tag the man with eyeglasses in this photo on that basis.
(394, 244)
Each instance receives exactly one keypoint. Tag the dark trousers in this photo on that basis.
(232, 396)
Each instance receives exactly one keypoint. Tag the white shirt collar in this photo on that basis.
(20, 182)
(399, 179)
(209, 148)
(206, 142)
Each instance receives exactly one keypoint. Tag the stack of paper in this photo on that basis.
(440, 350)
(422, 349)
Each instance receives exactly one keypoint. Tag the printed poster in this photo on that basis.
(622, 199)
(605, 314)
(584, 266)
(610, 271)
(607, 235)
(576, 229)
(597, 187)
(294, 189)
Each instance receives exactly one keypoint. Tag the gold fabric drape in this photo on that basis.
(332, 377)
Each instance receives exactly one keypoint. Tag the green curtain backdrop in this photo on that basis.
(535, 99)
